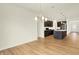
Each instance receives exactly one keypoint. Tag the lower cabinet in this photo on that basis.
(48, 32)
(60, 34)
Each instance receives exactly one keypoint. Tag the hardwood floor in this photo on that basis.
(47, 46)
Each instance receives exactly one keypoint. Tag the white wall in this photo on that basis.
(40, 28)
(73, 25)
(17, 26)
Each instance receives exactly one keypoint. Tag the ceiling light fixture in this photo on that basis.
(36, 18)
(42, 17)
(46, 19)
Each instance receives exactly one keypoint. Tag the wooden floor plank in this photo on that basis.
(47, 46)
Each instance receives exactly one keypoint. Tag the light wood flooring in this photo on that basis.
(47, 46)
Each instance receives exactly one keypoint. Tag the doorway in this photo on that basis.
(74, 26)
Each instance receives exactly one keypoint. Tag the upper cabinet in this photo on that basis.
(62, 25)
(48, 23)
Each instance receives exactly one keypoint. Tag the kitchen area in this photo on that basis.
(59, 31)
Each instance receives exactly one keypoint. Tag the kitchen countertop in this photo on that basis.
(60, 30)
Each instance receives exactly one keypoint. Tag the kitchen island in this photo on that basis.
(60, 34)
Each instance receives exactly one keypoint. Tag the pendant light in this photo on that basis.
(46, 19)
(36, 18)
(42, 17)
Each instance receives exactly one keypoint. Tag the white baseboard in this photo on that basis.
(14, 45)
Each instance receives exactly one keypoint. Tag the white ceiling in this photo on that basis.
(70, 10)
